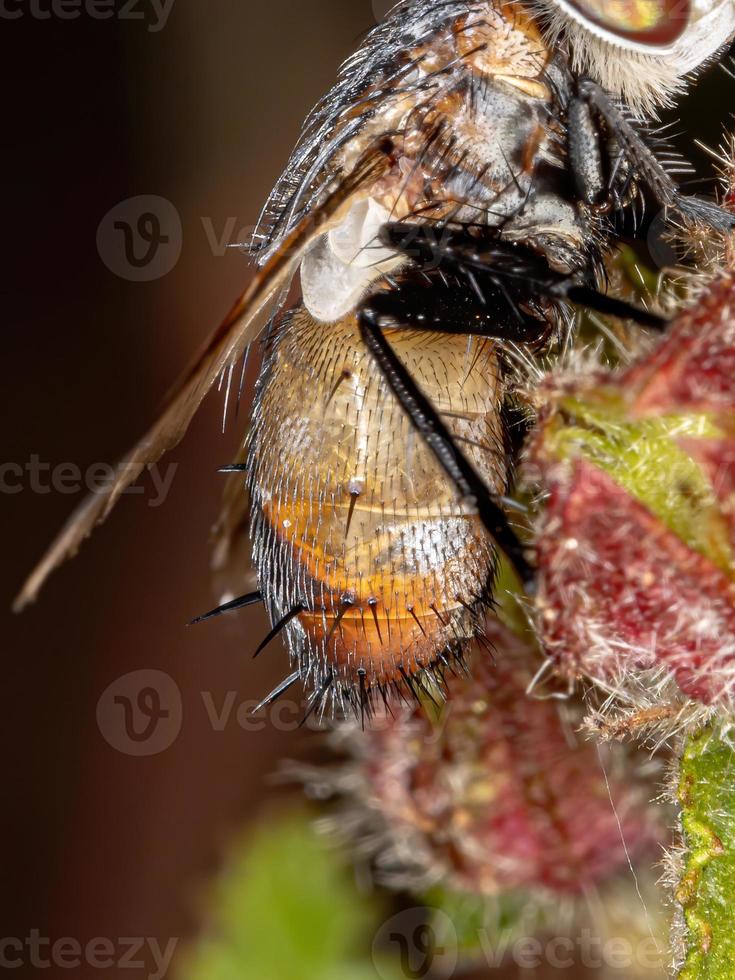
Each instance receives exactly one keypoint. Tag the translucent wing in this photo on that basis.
(241, 325)
(232, 566)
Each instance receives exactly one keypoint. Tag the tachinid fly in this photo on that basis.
(450, 198)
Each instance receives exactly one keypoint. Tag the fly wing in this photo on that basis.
(232, 566)
(240, 326)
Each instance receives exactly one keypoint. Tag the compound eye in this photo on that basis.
(642, 23)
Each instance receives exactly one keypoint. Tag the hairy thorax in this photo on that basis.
(471, 119)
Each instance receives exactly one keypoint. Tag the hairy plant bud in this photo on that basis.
(496, 794)
(636, 545)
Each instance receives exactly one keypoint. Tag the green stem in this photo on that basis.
(706, 891)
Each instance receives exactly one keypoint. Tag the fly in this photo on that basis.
(451, 197)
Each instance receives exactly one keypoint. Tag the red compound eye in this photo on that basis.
(643, 23)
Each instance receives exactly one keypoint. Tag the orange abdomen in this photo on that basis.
(352, 516)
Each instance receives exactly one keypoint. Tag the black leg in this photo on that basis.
(427, 421)
(585, 158)
(610, 306)
(645, 163)
(495, 289)
(484, 310)
(512, 288)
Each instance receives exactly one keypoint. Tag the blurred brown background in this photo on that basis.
(202, 112)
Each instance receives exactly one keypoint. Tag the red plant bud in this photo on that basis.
(636, 546)
(498, 794)
(621, 592)
(694, 367)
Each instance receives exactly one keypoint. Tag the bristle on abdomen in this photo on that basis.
(355, 525)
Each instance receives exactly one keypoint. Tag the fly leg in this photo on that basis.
(640, 155)
(468, 283)
(512, 287)
(585, 158)
(429, 424)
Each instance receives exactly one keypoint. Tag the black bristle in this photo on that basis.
(418, 621)
(364, 705)
(438, 614)
(318, 696)
(354, 494)
(344, 376)
(277, 691)
(408, 681)
(345, 604)
(244, 600)
(282, 622)
(373, 608)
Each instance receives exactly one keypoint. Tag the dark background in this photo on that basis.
(204, 113)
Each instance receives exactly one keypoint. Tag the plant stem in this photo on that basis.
(706, 891)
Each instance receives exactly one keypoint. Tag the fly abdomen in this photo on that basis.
(353, 519)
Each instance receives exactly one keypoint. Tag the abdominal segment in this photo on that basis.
(355, 525)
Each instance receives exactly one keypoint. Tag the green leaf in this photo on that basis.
(286, 908)
(480, 922)
(706, 890)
